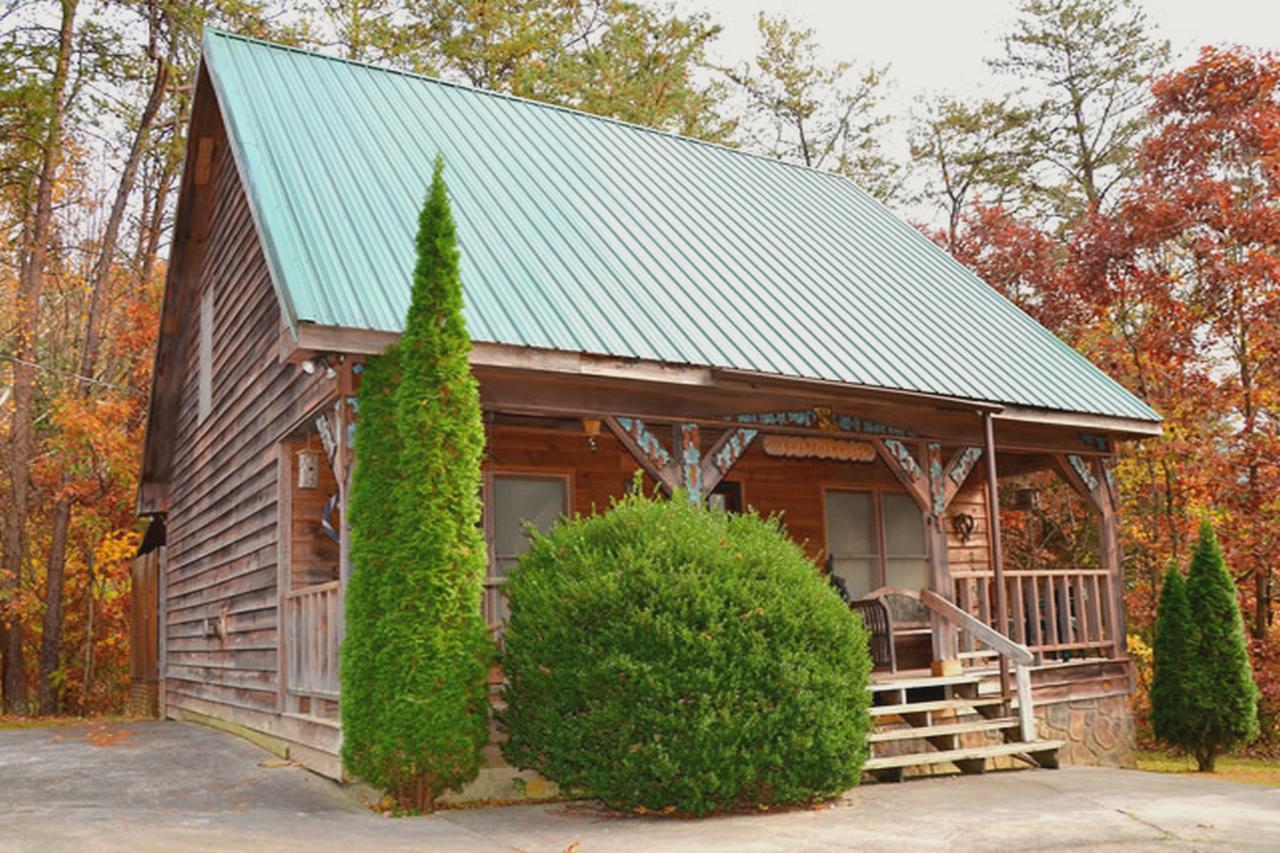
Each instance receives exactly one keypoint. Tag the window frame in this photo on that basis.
(877, 493)
(205, 354)
(491, 579)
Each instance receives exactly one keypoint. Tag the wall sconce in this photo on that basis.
(591, 426)
(308, 469)
(962, 523)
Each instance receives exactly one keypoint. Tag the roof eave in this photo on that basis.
(314, 339)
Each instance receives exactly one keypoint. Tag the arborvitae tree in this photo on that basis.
(1175, 639)
(1221, 696)
(364, 676)
(432, 654)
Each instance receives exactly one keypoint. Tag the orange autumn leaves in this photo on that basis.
(1175, 291)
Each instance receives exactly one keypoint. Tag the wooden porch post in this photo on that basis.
(1112, 556)
(997, 546)
(1092, 481)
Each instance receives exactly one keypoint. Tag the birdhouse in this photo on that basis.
(308, 469)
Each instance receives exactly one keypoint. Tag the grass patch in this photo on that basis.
(1252, 771)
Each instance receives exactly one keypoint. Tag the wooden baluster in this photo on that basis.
(1073, 607)
(1095, 613)
(1037, 613)
(1019, 611)
(1054, 635)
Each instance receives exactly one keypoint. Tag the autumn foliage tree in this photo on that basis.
(1174, 288)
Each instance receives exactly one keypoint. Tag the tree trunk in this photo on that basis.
(1206, 758)
(51, 638)
(54, 589)
(88, 639)
(30, 282)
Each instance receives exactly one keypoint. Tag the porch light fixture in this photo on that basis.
(1026, 498)
(591, 426)
(310, 365)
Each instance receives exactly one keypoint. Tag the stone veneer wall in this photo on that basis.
(1098, 731)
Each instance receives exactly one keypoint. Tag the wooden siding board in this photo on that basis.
(223, 487)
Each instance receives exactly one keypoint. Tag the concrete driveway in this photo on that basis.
(165, 786)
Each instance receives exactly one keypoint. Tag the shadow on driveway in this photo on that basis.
(165, 785)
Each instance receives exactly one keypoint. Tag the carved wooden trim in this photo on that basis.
(647, 449)
(687, 441)
(821, 418)
(959, 469)
(904, 467)
(724, 454)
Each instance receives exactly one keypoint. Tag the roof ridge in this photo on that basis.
(480, 90)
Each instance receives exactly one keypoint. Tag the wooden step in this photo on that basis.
(939, 705)
(913, 732)
(924, 681)
(1035, 747)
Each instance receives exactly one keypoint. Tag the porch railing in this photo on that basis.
(1056, 613)
(974, 630)
(311, 623)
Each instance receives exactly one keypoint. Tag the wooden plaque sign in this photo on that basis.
(804, 446)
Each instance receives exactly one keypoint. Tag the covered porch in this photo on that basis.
(890, 493)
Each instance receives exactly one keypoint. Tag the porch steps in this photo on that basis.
(958, 705)
(953, 755)
(916, 732)
(922, 681)
(921, 722)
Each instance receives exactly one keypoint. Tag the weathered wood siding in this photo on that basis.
(222, 523)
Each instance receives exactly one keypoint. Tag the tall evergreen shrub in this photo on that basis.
(421, 654)
(362, 674)
(1222, 697)
(1174, 644)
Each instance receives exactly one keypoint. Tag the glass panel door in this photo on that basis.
(517, 501)
(907, 564)
(852, 540)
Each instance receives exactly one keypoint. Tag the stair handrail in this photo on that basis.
(1019, 655)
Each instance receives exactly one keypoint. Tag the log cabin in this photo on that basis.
(761, 334)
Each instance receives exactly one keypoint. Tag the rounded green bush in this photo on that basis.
(675, 658)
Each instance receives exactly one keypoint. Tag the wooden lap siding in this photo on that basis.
(222, 534)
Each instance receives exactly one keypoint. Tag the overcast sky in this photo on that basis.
(939, 45)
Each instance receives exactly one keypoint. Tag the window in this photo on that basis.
(876, 539)
(514, 501)
(204, 401)
(727, 496)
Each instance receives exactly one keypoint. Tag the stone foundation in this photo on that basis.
(1099, 731)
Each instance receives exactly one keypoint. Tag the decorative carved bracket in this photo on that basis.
(647, 449)
(958, 470)
(932, 485)
(1091, 479)
(724, 454)
(897, 457)
(685, 466)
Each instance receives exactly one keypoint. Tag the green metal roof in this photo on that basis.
(589, 235)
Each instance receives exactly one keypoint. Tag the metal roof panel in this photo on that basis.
(587, 234)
